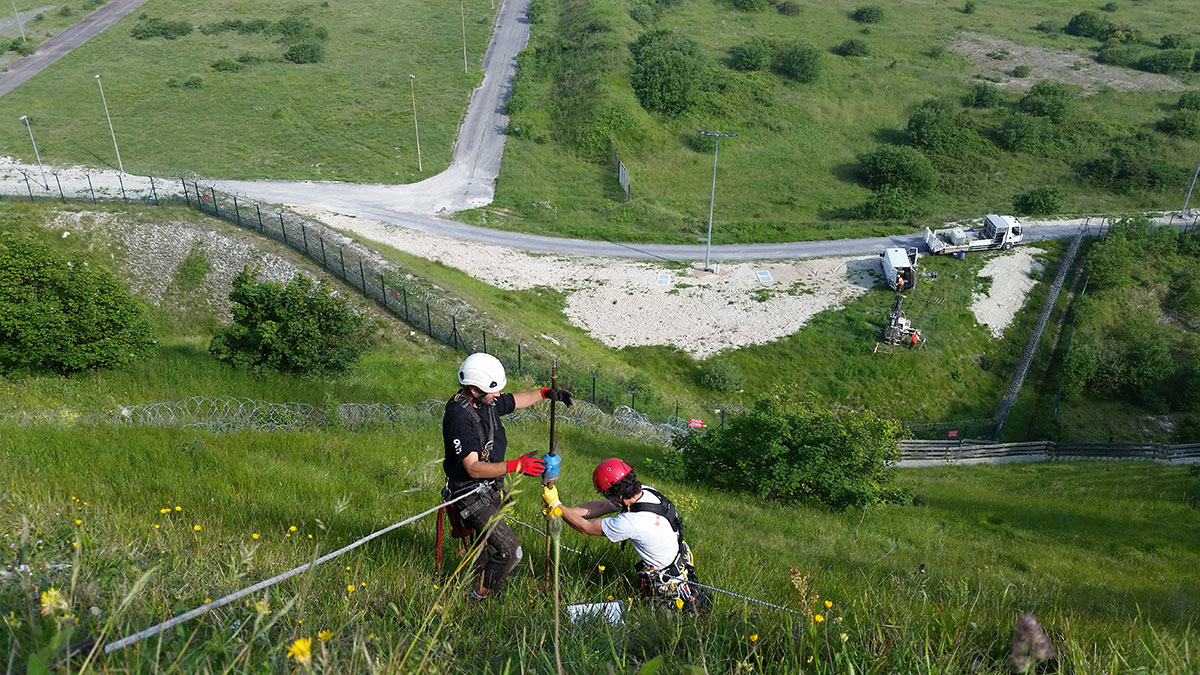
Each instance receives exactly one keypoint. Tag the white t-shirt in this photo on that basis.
(651, 534)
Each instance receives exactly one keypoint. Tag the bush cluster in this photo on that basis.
(983, 95)
(152, 27)
(788, 450)
(1040, 201)
(868, 14)
(668, 72)
(1132, 163)
(852, 47)
(1089, 24)
(721, 376)
(942, 127)
(1183, 123)
(751, 5)
(1190, 100)
(1115, 54)
(1168, 61)
(243, 27)
(1022, 132)
(293, 327)
(644, 13)
(750, 56)
(1048, 99)
(898, 166)
(790, 8)
(890, 203)
(799, 61)
(63, 315)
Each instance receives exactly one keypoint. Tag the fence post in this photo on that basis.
(237, 213)
(324, 262)
(453, 329)
(186, 195)
(632, 400)
(518, 358)
(593, 387)
(258, 211)
(60, 192)
(485, 341)
(153, 191)
(283, 228)
(342, 257)
(676, 409)
(27, 188)
(428, 320)
(304, 234)
(122, 182)
(383, 291)
(404, 290)
(216, 208)
(362, 277)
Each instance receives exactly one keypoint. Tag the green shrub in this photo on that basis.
(1183, 123)
(668, 72)
(1184, 298)
(1022, 132)
(942, 127)
(1175, 41)
(1190, 100)
(174, 82)
(1089, 24)
(899, 166)
(1110, 7)
(721, 376)
(890, 203)
(305, 52)
(983, 95)
(1133, 163)
(23, 47)
(63, 315)
(153, 27)
(39, 17)
(1115, 53)
(1021, 71)
(969, 7)
(789, 450)
(1168, 61)
(1049, 26)
(92, 4)
(226, 66)
(1040, 201)
(645, 14)
(750, 5)
(294, 327)
(750, 56)
(221, 26)
(790, 8)
(253, 26)
(868, 14)
(700, 143)
(799, 61)
(852, 47)
(249, 59)
(194, 82)
(1048, 99)
(296, 30)
(65, 10)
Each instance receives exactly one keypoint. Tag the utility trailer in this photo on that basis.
(899, 267)
(997, 232)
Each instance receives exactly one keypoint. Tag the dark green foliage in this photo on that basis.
(1110, 7)
(750, 5)
(294, 327)
(969, 7)
(249, 59)
(983, 95)
(852, 47)
(721, 376)
(226, 66)
(305, 52)
(668, 72)
(1133, 163)
(1190, 100)
(790, 8)
(942, 127)
(1048, 99)
(1183, 123)
(65, 10)
(1115, 53)
(1040, 201)
(23, 47)
(194, 82)
(699, 142)
(1175, 41)
(92, 4)
(1049, 26)
(62, 316)
(297, 29)
(750, 56)
(1089, 24)
(1184, 299)
(868, 14)
(898, 166)
(1168, 61)
(890, 203)
(153, 27)
(1022, 132)
(788, 450)
(799, 61)
(644, 13)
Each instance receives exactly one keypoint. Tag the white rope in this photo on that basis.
(572, 550)
(186, 616)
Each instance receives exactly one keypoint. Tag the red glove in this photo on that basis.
(526, 464)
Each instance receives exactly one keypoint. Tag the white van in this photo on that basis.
(899, 268)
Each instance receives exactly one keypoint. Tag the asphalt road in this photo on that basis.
(60, 45)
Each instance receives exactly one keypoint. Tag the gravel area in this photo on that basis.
(1012, 276)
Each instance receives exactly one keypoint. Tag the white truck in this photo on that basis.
(1002, 232)
(899, 267)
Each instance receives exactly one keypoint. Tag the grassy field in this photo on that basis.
(1096, 550)
(349, 117)
(46, 22)
(791, 173)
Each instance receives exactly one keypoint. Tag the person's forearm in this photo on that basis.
(524, 399)
(482, 469)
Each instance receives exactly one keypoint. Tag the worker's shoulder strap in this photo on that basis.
(486, 433)
(663, 508)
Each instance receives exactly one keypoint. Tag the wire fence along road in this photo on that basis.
(976, 451)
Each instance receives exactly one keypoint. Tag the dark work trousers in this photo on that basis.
(502, 550)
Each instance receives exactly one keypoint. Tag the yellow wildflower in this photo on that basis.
(324, 635)
(818, 618)
(292, 528)
(610, 597)
(754, 637)
(678, 603)
(263, 606)
(78, 521)
(207, 600)
(600, 567)
(808, 660)
(310, 536)
(254, 536)
(178, 508)
(53, 601)
(828, 604)
(156, 526)
(75, 544)
(12, 620)
(196, 527)
(844, 637)
(301, 650)
(351, 588)
(164, 510)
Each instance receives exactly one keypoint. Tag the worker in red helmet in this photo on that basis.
(647, 519)
(475, 444)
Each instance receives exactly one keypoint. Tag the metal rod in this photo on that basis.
(258, 212)
(38, 155)
(60, 191)
(1189, 192)
(324, 260)
(120, 165)
(413, 88)
(186, 195)
(121, 180)
(304, 234)
(153, 191)
(213, 193)
(18, 18)
(93, 190)
(237, 213)
(283, 229)
(362, 276)
(713, 196)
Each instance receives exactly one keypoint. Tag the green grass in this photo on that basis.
(1095, 550)
(790, 175)
(52, 22)
(347, 118)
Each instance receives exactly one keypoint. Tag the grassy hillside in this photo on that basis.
(791, 173)
(228, 104)
(1094, 550)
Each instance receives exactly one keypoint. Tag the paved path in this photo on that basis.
(60, 45)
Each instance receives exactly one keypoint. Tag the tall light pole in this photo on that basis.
(120, 166)
(413, 88)
(18, 18)
(713, 197)
(462, 10)
(1188, 198)
(25, 119)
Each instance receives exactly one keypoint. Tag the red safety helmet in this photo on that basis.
(608, 472)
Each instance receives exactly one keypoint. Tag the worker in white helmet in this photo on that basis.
(475, 445)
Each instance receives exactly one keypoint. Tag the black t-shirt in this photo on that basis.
(461, 436)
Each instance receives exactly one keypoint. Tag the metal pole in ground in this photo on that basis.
(186, 195)
(93, 190)
(120, 165)
(38, 155)
(60, 191)
(17, 16)
(124, 197)
(1188, 198)
(413, 88)
(713, 197)
(153, 191)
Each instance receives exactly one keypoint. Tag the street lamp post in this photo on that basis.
(713, 197)
(17, 16)
(462, 10)
(120, 166)
(25, 119)
(1184, 212)
(413, 88)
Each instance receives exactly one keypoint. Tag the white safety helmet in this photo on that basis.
(484, 371)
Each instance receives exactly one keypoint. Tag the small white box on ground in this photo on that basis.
(613, 612)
